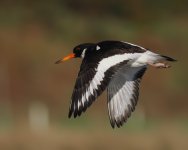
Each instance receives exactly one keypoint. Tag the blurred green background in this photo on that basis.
(35, 93)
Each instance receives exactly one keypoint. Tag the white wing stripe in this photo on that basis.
(107, 63)
(79, 104)
(83, 99)
(87, 94)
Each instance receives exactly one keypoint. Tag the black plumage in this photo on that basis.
(116, 66)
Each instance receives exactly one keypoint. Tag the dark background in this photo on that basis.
(35, 93)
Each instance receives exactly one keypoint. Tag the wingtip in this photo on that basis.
(75, 114)
(112, 125)
(70, 114)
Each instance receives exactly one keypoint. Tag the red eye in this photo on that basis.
(78, 48)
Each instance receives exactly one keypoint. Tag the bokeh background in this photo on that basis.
(35, 93)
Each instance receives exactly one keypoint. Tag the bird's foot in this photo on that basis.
(159, 65)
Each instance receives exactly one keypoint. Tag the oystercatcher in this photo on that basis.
(116, 66)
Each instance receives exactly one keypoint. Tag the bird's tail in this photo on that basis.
(167, 58)
(154, 57)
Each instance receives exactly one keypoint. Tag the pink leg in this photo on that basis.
(159, 65)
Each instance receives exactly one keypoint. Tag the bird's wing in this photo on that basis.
(123, 91)
(92, 80)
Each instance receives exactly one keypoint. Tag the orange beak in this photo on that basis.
(65, 58)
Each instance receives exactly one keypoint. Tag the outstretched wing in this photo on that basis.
(92, 80)
(123, 91)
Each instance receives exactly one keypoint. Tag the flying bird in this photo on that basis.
(116, 66)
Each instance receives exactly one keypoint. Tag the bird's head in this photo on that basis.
(78, 51)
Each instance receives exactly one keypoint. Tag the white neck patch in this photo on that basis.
(83, 53)
(98, 48)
